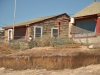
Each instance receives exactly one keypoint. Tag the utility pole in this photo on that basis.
(14, 18)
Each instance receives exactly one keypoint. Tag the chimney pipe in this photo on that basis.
(94, 0)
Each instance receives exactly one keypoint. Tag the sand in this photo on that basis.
(89, 70)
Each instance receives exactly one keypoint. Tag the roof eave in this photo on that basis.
(79, 17)
(10, 27)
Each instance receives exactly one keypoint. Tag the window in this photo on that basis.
(87, 28)
(10, 34)
(54, 32)
(1, 32)
(38, 31)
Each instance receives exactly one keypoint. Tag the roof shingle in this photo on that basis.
(35, 20)
(93, 8)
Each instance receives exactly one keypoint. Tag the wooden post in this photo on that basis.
(58, 29)
(98, 25)
(14, 19)
(26, 35)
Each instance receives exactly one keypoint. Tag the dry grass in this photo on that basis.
(69, 46)
(5, 49)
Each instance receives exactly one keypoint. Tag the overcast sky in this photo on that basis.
(29, 9)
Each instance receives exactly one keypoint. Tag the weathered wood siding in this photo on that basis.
(6, 34)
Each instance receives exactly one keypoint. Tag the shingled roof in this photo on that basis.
(92, 9)
(35, 20)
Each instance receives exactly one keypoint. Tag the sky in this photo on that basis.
(29, 9)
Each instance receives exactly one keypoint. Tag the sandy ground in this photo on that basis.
(89, 70)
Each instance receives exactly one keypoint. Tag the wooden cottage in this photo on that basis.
(37, 28)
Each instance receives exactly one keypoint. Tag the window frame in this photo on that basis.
(35, 31)
(52, 31)
(89, 34)
(11, 34)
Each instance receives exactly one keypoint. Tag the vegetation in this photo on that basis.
(6, 49)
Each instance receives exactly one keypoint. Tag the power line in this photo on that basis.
(70, 14)
(3, 24)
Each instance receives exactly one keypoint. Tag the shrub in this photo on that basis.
(6, 49)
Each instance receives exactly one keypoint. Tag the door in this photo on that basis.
(10, 34)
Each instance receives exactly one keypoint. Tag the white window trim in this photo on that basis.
(11, 33)
(35, 30)
(52, 31)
